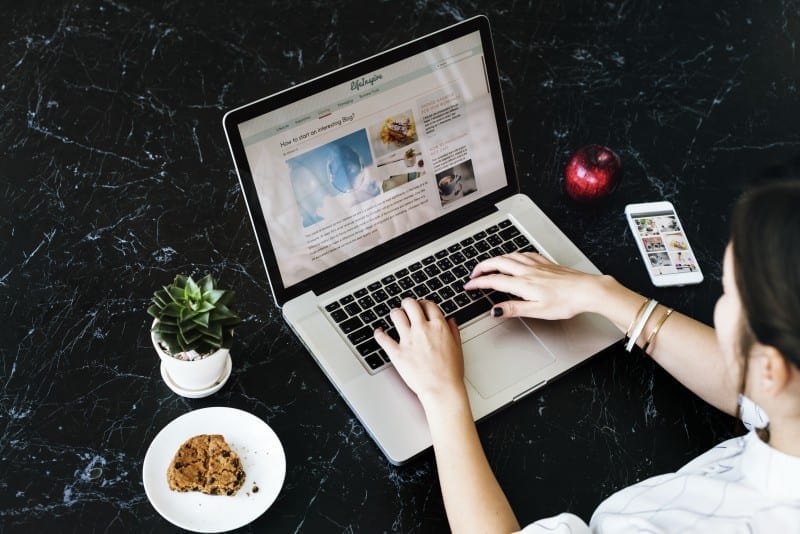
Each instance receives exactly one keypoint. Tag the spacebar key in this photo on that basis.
(470, 312)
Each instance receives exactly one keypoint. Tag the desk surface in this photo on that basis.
(115, 176)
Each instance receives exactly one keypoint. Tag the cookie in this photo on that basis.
(207, 464)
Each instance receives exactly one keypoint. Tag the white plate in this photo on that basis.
(263, 461)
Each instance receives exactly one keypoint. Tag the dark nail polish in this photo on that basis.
(497, 312)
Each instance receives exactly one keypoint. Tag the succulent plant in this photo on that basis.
(193, 316)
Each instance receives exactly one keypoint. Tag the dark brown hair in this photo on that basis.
(765, 239)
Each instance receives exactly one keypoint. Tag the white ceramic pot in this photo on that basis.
(193, 374)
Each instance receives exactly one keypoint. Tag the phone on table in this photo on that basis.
(662, 242)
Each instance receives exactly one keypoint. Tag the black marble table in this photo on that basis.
(115, 176)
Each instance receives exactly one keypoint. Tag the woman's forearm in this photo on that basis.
(472, 497)
(684, 347)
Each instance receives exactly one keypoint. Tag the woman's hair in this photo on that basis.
(765, 240)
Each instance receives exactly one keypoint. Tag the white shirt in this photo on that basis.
(741, 485)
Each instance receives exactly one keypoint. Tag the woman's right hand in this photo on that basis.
(547, 290)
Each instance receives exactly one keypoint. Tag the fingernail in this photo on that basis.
(497, 311)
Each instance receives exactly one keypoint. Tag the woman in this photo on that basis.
(746, 484)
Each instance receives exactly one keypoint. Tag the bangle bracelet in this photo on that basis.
(656, 329)
(635, 318)
(637, 330)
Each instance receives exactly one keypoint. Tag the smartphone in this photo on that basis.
(663, 244)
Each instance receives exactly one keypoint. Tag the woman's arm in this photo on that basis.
(684, 347)
(429, 359)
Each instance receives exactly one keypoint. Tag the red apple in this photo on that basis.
(592, 173)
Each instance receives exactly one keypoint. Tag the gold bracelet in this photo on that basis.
(636, 317)
(656, 329)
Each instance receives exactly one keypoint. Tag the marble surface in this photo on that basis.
(115, 176)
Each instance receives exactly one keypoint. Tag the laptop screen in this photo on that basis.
(354, 165)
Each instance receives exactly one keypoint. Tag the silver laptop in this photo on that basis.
(393, 177)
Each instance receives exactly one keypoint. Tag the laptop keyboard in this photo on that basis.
(439, 277)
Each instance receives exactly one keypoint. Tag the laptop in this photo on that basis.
(393, 177)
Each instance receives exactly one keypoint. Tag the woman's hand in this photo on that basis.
(547, 290)
(428, 355)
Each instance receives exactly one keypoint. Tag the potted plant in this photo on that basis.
(410, 157)
(192, 330)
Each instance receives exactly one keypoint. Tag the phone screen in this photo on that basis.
(664, 243)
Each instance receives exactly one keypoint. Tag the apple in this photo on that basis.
(593, 173)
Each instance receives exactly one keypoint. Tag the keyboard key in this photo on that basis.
(441, 254)
(496, 251)
(494, 240)
(347, 299)
(401, 273)
(509, 232)
(351, 325)
(393, 289)
(339, 315)
(462, 299)
(454, 248)
(481, 257)
(434, 284)
(368, 316)
(380, 323)
(469, 252)
(470, 265)
(366, 302)
(393, 303)
(475, 309)
(509, 247)
(479, 235)
(492, 229)
(461, 272)
(448, 306)
(419, 276)
(434, 297)
(383, 355)
(447, 278)
(374, 361)
(387, 279)
(504, 223)
(392, 333)
(407, 295)
(332, 306)
(475, 294)
(408, 283)
(374, 286)
(380, 296)
(421, 290)
(416, 266)
(467, 242)
(360, 293)
(458, 258)
(368, 347)
(428, 260)
(445, 264)
(447, 292)
(498, 296)
(353, 308)
(521, 241)
(432, 270)
(482, 246)
(381, 310)
(360, 335)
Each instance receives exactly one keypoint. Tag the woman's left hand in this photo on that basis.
(428, 356)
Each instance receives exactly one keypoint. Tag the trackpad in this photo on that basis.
(502, 354)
